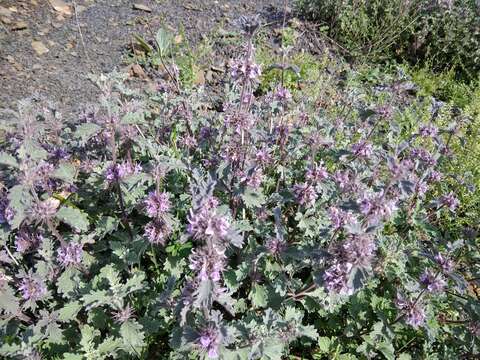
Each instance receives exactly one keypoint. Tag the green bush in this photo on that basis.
(444, 32)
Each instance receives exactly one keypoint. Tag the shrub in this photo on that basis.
(444, 33)
(265, 229)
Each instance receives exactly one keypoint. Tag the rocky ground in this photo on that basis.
(49, 47)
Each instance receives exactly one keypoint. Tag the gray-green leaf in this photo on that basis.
(132, 336)
(258, 296)
(65, 172)
(7, 159)
(163, 39)
(73, 217)
(86, 131)
(69, 311)
(8, 301)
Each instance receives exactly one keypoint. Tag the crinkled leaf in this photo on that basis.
(253, 198)
(73, 217)
(110, 273)
(20, 200)
(69, 311)
(132, 336)
(67, 282)
(237, 354)
(8, 160)
(89, 334)
(109, 346)
(65, 172)
(258, 296)
(86, 131)
(32, 150)
(54, 333)
(308, 331)
(387, 349)
(8, 302)
(293, 314)
(71, 356)
(324, 344)
(357, 278)
(135, 283)
(106, 224)
(96, 298)
(272, 349)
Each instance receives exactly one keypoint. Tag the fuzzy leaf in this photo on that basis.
(86, 131)
(73, 217)
(67, 282)
(238, 354)
(70, 356)
(357, 278)
(110, 273)
(308, 331)
(105, 225)
(96, 298)
(135, 283)
(132, 336)
(231, 280)
(109, 346)
(273, 349)
(8, 301)
(253, 198)
(324, 344)
(65, 172)
(69, 311)
(89, 334)
(258, 296)
(235, 237)
(32, 150)
(163, 39)
(387, 349)
(54, 333)
(8, 160)
(20, 199)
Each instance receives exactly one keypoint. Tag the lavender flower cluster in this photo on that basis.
(70, 254)
(159, 228)
(412, 309)
(6, 212)
(117, 172)
(356, 252)
(208, 261)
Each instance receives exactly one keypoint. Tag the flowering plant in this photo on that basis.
(157, 224)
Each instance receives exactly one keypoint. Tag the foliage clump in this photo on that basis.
(157, 224)
(442, 33)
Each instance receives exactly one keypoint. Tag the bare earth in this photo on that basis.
(48, 47)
